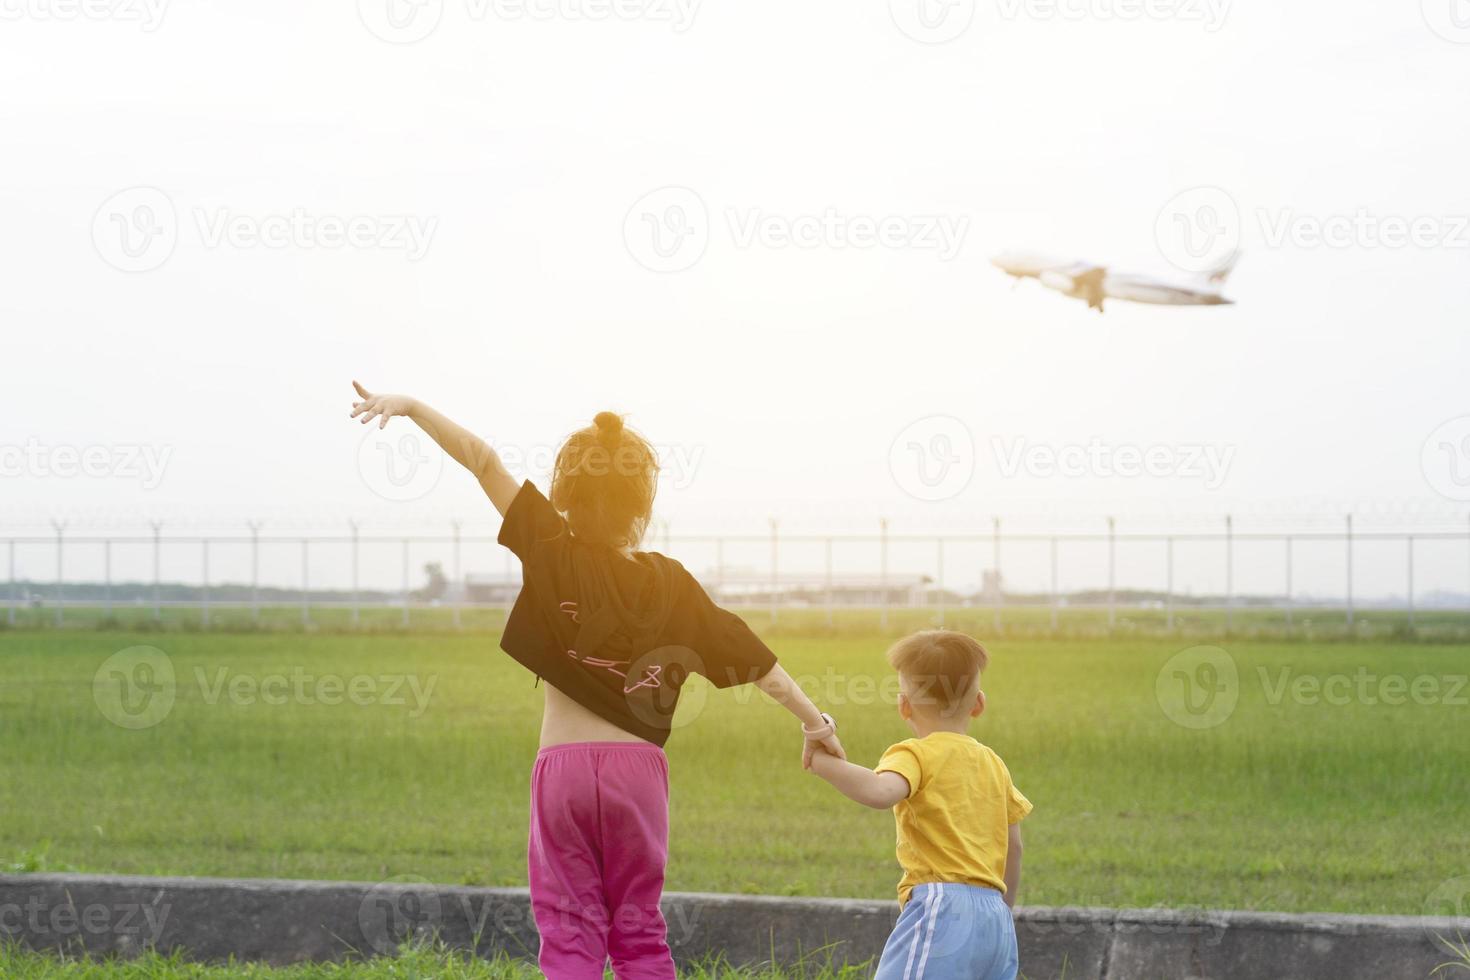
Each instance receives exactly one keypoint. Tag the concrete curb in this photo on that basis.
(290, 921)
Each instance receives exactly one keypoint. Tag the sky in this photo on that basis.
(761, 230)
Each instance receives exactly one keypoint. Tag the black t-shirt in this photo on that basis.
(618, 635)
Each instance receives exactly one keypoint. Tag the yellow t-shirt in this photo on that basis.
(954, 825)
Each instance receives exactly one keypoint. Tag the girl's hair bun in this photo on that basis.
(609, 425)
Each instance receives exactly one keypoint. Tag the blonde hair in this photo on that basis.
(943, 665)
(604, 481)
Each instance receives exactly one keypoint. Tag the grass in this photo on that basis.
(1031, 621)
(423, 963)
(1295, 803)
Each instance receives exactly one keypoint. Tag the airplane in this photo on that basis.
(1097, 283)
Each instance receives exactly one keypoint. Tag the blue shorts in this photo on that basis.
(951, 932)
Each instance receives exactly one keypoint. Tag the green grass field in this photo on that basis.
(1297, 801)
(409, 964)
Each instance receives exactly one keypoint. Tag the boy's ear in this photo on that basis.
(905, 707)
(979, 708)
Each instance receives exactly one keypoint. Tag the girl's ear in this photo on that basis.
(979, 708)
(905, 707)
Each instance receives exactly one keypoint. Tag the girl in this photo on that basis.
(614, 632)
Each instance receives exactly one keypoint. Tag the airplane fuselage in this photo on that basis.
(1095, 284)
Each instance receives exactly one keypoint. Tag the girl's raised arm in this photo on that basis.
(462, 445)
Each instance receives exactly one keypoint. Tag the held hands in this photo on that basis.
(381, 407)
(823, 739)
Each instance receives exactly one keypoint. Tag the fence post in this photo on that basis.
(939, 579)
(204, 586)
(1350, 571)
(1411, 582)
(995, 555)
(1169, 583)
(774, 571)
(60, 531)
(305, 583)
(355, 594)
(1056, 595)
(254, 571)
(1112, 573)
(157, 569)
(458, 581)
(405, 581)
(1290, 601)
(1229, 572)
(107, 578)
(720, 570)
(883, 573)
(829, 583)
(10, 610)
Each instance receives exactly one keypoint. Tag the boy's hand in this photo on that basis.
(382, 407)
(830, 745)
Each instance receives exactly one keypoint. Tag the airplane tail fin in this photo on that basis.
(1217, 276)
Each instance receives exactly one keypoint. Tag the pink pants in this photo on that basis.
(599, 843)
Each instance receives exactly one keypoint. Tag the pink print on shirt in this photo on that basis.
(650, 676)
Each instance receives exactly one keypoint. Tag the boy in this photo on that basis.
(958, 836)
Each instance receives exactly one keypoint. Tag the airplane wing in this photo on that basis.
(1083, 280)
